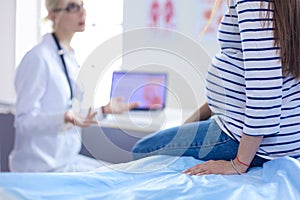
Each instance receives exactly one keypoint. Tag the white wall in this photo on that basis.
(186, 81)
(188, 19)
(19, 33)
(7, 50)
(28, 23)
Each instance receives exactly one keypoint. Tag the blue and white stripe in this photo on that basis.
(245, 86)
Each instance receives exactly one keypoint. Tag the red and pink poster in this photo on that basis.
(161, 14)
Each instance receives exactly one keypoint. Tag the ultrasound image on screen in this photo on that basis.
(149, 89)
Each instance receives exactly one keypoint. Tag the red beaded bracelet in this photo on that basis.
(247, 165)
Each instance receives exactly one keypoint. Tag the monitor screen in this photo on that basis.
(149, 89)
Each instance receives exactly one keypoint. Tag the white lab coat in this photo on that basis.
(43, 142)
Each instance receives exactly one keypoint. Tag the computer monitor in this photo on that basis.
(147, 88)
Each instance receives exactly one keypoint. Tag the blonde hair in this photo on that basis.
(51, 5)
(213, 12)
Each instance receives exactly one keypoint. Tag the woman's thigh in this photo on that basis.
(203, 140)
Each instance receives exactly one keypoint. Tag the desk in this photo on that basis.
(114, 137)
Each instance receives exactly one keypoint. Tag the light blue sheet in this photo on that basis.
(157, 177)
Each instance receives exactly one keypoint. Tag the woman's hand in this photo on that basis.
(117, 106)
(216, 167)
(79, 120)
(247, 148)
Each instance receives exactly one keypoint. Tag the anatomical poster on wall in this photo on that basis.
(161, 14)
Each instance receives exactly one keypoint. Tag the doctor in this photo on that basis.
(47, 139)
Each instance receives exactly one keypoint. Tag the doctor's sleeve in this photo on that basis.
(31, 84)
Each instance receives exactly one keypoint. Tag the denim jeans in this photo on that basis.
(202, 140)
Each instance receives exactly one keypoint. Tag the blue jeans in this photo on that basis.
(202, 140)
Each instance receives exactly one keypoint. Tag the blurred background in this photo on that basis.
(23, 25)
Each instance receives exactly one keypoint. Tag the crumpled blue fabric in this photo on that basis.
(156, 177)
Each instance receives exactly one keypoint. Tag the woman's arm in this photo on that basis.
(246, 152)
(202, 113)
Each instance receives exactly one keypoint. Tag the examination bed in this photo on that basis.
(157, 177)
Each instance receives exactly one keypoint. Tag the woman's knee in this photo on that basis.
(146, 146)
(140, 149)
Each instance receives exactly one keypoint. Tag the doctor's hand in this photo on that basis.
(216, 167)
(79, 120)
(117, 106)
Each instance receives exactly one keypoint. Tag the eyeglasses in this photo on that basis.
(70, 8)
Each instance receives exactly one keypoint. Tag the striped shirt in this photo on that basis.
(245, 86)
